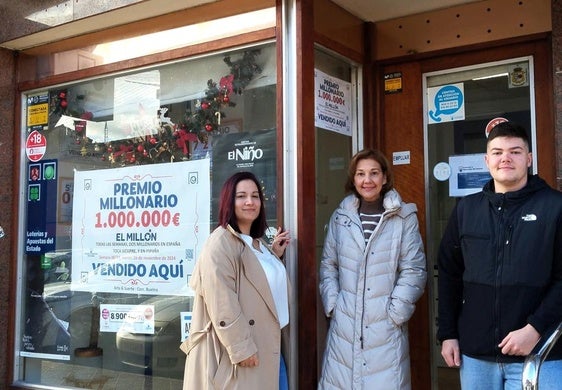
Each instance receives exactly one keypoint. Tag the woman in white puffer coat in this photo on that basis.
(373, 270)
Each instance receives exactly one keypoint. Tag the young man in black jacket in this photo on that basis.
(500, 271)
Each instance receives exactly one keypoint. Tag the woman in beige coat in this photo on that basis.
(241, 312)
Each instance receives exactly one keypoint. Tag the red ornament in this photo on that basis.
(209, 127)
(62, 95)
(87, 115)
(109, 149)
(79, 126)
(226, 99)
(140, 148)
(63, 103)
(204, 105)
(153, 141)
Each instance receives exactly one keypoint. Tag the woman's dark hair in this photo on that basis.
(227, 215)
(369, 154)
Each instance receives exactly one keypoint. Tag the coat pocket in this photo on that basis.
(225, 376)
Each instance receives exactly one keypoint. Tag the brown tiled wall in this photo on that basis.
(6, 195)
(557, 66)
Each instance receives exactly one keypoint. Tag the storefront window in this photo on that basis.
(121, 177)
(135, 47)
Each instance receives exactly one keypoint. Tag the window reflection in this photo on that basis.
(67, 11)
(111, 52)
(220, 108)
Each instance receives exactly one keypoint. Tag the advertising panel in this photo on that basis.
(139, 229)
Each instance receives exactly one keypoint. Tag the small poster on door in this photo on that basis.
(445, 103)
(469, 173)
(332, 103)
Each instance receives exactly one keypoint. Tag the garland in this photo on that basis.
(169, 141)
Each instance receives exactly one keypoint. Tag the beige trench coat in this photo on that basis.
(234, 316)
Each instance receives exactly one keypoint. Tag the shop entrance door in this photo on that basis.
(460, 107)
(334, 148)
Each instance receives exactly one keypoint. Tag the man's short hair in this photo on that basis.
(509, 129)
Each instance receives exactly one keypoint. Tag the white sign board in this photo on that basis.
(332, 101)
(469, 173)
(136, 319)
(401, 158)
(139, 229)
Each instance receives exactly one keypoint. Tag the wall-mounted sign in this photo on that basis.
(401, 158)
(518, 75)
(393, 82)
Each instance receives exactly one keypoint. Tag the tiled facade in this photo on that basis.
(7, 163)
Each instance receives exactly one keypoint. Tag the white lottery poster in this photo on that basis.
(139, 229)
(332, 101)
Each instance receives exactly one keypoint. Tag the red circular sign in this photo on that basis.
(493, 123)
(35, 146)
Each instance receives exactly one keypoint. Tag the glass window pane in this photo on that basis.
(122, 177)
(334, 149)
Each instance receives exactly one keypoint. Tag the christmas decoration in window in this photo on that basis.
(166, 141)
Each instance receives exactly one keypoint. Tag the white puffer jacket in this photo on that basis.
(369, 291)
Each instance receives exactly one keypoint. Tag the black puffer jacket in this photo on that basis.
(500, 267)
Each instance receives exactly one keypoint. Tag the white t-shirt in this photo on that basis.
(276, 277)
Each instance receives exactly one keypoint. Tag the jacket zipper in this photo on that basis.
(366, 255)
(504, 236)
